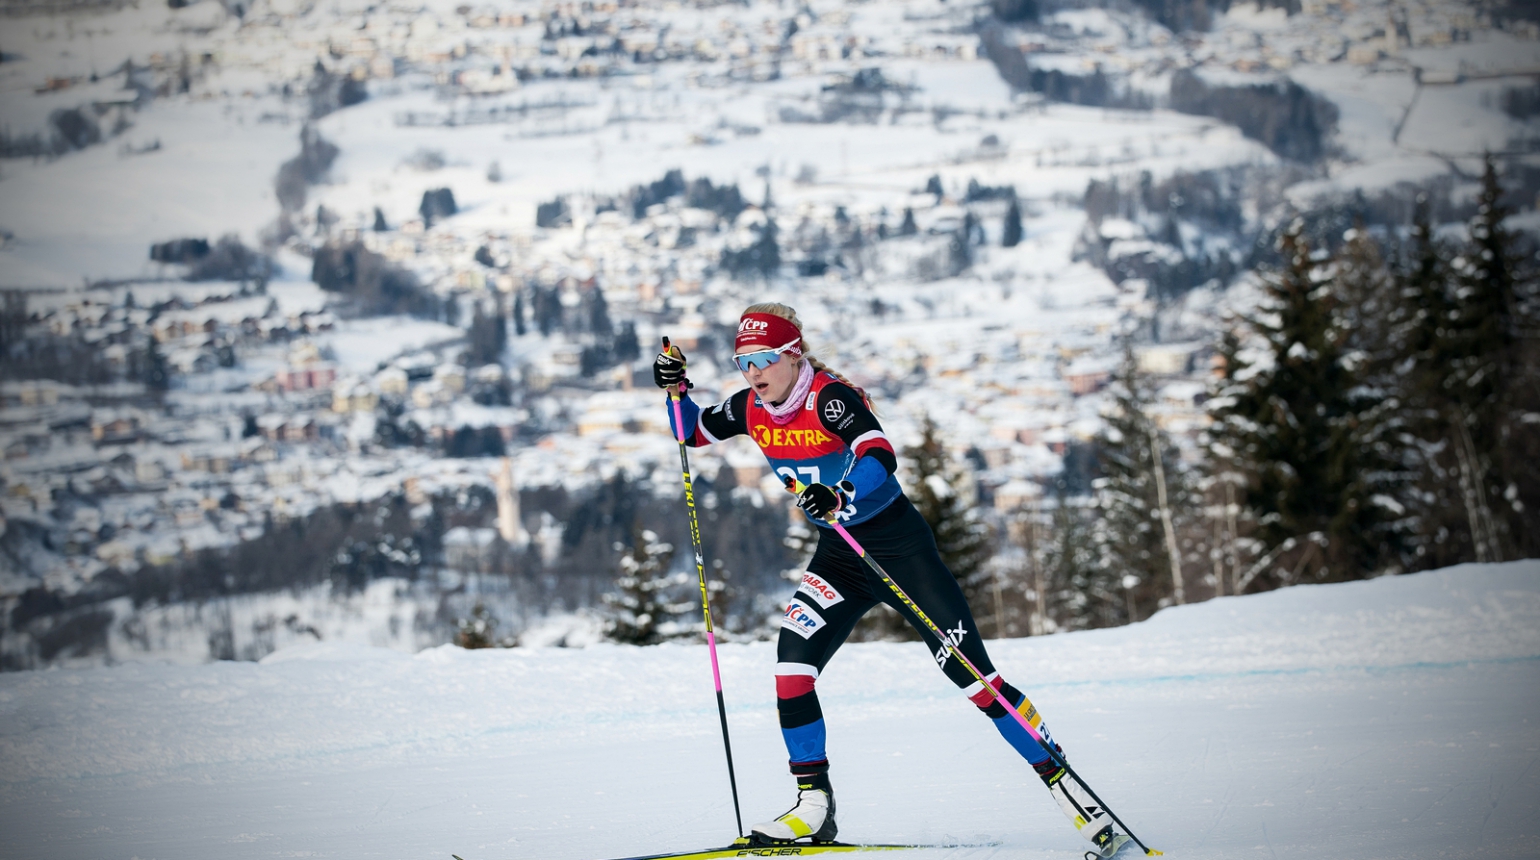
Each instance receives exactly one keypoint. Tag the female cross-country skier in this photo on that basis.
(813, 425)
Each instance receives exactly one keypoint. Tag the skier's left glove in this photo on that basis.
(819, 500)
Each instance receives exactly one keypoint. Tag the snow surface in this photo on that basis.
(95, 214)
(1391, 718)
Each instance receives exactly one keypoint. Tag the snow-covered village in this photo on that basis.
(1201, 335)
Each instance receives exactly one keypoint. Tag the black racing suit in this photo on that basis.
(837, 433)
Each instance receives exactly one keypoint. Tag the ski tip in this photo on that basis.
(457, 857)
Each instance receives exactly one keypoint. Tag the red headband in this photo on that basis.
(758, 332)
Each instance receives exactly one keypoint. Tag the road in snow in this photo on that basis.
(1394, 718)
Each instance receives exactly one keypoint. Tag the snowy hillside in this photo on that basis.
(1390, 718)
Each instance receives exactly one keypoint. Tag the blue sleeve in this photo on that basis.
(867, 475)
(689, 412)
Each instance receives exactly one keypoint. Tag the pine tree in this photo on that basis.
(627, 347)
(1076, 596)
(941, 491)
(1141, 499)
(1379, 426)
(762, 258)
(1480, 344)
(599, 315)
(959, 253)
(157, 373)
(1011, 232)
(1300, 428)
(478, 630)
(1420, 337)
(640, 608)
(1224, 476)
(802, 541)
(488, 335)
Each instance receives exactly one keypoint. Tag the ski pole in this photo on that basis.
(705, 602)
(795, 486)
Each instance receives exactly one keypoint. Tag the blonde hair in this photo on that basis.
(786, 312)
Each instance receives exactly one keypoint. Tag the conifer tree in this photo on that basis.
(1141, 499)
(640, 609)
(1420, 338)
(487, 336)
(940, 491)
(1076, 595)
(1379, 425)
(1480, 346)
(1442, 498)
(519, 327)
(1301, 429)
(1011, 233)
(478, 631)
(761, 258)
(1224, 476)
(157, 372)
(959, 253)
(802, 541)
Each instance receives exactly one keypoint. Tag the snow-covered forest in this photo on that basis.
(330, 321)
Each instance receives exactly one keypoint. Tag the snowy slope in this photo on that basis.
(1393, 718)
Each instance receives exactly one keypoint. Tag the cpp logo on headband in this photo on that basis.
(752, 325)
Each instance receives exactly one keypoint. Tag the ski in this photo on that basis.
(745, 847)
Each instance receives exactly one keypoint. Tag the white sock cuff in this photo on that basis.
(975, 688)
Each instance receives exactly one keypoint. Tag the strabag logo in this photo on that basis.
(819, 591)
(801, 619)
(780, 437)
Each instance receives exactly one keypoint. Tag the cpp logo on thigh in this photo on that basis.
(801, 619)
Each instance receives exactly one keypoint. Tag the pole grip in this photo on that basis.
(670, 349)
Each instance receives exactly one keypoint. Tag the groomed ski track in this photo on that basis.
(1393, 718)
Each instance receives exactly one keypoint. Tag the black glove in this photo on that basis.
(819, 500)
(668, 370)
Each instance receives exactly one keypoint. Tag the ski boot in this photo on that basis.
(812, 816)
(1109, 844)
(1086, 814)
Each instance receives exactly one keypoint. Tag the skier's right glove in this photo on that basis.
(819, 500)
(667, 369)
